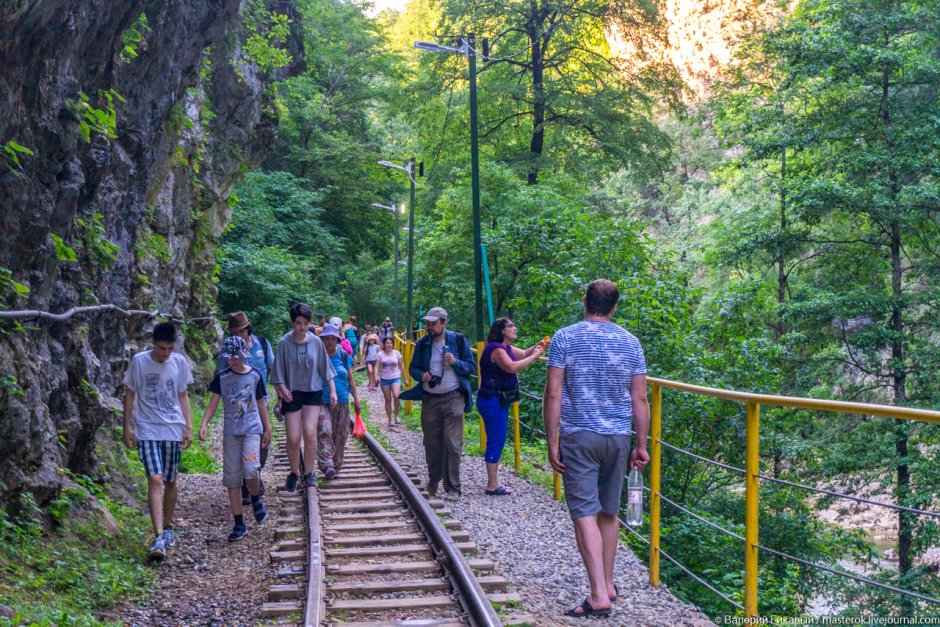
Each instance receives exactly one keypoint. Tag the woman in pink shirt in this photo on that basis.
(391, 366)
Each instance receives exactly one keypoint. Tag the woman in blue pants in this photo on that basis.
(499, 388)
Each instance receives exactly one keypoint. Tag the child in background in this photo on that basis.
(246, 430)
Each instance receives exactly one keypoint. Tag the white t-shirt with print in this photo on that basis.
(157, 411)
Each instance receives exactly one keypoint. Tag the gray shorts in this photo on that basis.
(241, 459)
(595, 466)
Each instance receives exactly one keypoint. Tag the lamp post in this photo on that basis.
(409, 169)
(394, 209)
(467, 45)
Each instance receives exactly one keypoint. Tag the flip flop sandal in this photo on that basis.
(500, 491)
(616, 597)
(587, 610)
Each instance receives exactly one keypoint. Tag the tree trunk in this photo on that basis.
(900, 397)
(781, 259)
(538, 109)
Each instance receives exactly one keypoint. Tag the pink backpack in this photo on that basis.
(346, 346)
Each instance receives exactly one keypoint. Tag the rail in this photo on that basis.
(751, 474)
(472, 597)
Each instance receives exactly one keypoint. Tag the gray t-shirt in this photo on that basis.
(600, 360)
(303, 367)
(449, 381)
(157, 412)
(240, 393)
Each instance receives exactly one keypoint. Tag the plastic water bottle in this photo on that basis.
(635, 498)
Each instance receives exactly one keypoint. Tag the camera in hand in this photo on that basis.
(434, 380)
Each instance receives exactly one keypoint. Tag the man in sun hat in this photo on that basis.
(261, 358)
(441, 366)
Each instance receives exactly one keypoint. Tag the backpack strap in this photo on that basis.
(265, 348)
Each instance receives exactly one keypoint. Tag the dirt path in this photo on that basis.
(206, 580)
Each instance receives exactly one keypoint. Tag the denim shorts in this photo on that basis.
(387, 383)
(595, 465)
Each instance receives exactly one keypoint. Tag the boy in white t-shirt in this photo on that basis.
(157, 418)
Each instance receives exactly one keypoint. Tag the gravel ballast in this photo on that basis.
(531, 536)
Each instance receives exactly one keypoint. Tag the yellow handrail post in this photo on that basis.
(517, 445)
(656, 423)
(409, 351)
(751, 510)
(482, 426)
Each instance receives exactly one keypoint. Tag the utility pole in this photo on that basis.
(475, 187)
(411, 247)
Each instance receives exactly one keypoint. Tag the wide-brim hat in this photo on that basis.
(435, 313)
(330, 330)
(238, 321)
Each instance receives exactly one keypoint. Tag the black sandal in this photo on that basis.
(587, 610)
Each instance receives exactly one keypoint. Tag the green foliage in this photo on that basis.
(153, 246)
(10, 290)
(98, 118)
(62, 251)
(267, 33)
(274, 252)
(198, 458)
(11, 385)
(100, 250)
(10, 153)
(71, 572)
(133, 38)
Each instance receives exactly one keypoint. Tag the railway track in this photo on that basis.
(380, 553)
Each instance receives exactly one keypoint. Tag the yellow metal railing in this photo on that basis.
(753, 403)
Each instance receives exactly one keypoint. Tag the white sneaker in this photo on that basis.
(157, 550)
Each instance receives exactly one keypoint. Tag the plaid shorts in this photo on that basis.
(161, 457)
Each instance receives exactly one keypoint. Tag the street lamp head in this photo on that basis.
(430, 46)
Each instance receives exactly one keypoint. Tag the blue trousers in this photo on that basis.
(496, 421)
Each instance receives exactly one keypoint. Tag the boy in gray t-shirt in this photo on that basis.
(157, 421)
(245, 432)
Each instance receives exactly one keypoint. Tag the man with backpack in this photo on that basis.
(261, 358)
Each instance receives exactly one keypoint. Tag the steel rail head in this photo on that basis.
(471, 594)
(314, 611)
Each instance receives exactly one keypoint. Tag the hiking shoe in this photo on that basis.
(157, 550)
(260, 512)
(238, 532)
(330, 474)
(309, 480)
(291, 484)
(432, 489)
(452, 496)
(170, 536)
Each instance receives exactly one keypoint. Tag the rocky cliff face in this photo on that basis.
(703, 36)
(140, 117)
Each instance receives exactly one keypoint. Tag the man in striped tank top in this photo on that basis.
(595, 390)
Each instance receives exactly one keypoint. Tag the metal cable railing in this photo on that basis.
(859, 578)
(699, 579)
(857, 499)
(703, 459)
(701, 519)
(752, 478)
